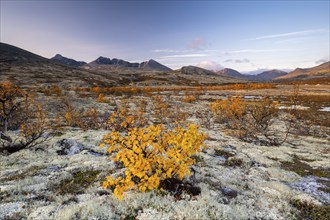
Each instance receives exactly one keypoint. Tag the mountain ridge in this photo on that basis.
(67, 61)
(270, 74)
(263, 76)
(231, 72)
(28, 70)
(312, 72)
(107, 63)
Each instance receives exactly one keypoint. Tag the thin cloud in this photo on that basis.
(210, 65)
(165, 51)
(321, 61)
(290, 34)
(184, 56)
(257, 51)
(242, 61)
(294, 40)
(245, 60)
(196, 44)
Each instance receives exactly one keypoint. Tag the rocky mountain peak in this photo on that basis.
(58, 56)
(67, 61)
(103, 60)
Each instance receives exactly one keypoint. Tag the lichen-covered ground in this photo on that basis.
(62, 179)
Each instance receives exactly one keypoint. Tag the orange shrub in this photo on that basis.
(230, 110)
(189, 99)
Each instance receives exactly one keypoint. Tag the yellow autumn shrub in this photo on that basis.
(151, 154)
(123, 118)
(229, 110)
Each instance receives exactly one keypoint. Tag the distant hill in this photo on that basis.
(194, 70)
(154, 65)
(270, 75)
(264, 76)
(114, 62)
(67, 61)
(200, 76)
(14, 55)
(231, 73)
(104, 63)
(322, 70)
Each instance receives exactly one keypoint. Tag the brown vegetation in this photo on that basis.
(18, 110)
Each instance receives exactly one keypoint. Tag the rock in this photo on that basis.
(194, 190)
(69, 147)
(92, 152)
(11, 210)
(53, 168)
(5, 137)
(103, 192)
(229, 147)
(176, 186)
(314, 186)
(230, 193)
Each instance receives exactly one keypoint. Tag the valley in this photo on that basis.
(265, 154)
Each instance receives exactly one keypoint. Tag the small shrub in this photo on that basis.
(122, 119)
(230, 111)
(250, 121)
(189, 99)
(11, 105)
(306, 210)
(161, 109)
(70, 114)
(18, 110)
(91, 119)
(150, 155)
(54, 90)
(234, 162)
(206, 119)
(100, 98)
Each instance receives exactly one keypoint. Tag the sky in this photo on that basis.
(248, 36)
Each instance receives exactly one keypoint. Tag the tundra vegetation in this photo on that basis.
(166, 143)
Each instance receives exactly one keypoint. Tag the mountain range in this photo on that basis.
(16, 63)
(68, 61)
(28, 69)
(107, 63)
(264, 76)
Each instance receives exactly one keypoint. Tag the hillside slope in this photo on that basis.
(27, 69)
(322, 70)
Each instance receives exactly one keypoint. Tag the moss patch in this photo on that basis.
(80, 181)
(303, 169)
(310, 211)
(223, 153)
(32, 171)
(326, 183)
(234, 162)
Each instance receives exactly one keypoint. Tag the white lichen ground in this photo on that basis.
(30, 178)
(33, 182)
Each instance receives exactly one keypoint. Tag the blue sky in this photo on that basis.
(244, 35)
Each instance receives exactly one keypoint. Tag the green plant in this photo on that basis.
(306, 210)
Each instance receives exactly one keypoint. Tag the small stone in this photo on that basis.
(69, 147)
(230, 193)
